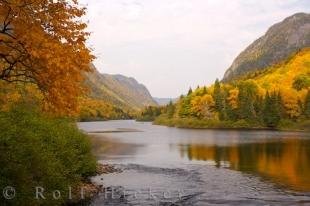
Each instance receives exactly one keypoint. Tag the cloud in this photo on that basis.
(170, 45)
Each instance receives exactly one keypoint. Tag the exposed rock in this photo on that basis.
(280, 42)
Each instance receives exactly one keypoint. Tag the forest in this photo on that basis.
(275, 97)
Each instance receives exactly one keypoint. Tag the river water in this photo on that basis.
(172, 166)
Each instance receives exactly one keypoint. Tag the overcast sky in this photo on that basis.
(170, 45)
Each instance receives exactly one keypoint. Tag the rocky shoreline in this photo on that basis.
(87, 190)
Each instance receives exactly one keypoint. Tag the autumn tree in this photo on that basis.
(307, 105)
(301, 81)
(43, 43)
(203, 106)
(291, 103)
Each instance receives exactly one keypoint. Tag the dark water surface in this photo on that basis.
(172, 166)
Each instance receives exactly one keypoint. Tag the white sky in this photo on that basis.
(170, 45)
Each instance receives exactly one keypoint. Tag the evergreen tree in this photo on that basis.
(271, 112)
(170, 109)
(219, 99)
(217, 95)
(259, 107)
(246, 99)
(245, 111)
(204, 91)
(185, 106)
(231, 114)
(190, 91)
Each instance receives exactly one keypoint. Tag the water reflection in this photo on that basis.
(285, 161)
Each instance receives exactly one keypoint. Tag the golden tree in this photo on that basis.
(43, 42)
(203, 106)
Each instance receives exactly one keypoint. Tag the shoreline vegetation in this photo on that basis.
(193, 123)
(47, 152)
(40, 150)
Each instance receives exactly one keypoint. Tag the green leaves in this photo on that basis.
(37, 150)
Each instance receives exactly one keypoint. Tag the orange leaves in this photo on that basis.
(233, 98)
(44, 43)
(290, 102)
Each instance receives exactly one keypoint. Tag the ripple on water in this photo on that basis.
(189, 185)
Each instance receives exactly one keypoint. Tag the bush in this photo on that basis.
(41, 151)
(241, 124)
(287, 124)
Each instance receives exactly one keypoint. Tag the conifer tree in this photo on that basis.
(204, 91)
(217, 96)
(271, 111)
(170, 109)
(219, 99)
(246, 98)
(185, 106)
(258, 107)
(190, 91)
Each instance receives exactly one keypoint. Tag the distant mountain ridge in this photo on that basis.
(164, 101)
(280, 41)
(119, 90)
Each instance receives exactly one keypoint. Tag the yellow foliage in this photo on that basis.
(277, 78)
(97, 109)
(233, 98)
(203, 106)
(281, 77)
(290, 99)
(43, 42)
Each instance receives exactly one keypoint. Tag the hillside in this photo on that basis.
(121, 91)
(285, 75)
(280, 41)
(274, 97)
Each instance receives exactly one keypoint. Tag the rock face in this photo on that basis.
(280, 41)
(121, 91)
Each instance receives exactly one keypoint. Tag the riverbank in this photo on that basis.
(193, 123)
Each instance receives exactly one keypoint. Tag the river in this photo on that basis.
(172, 166)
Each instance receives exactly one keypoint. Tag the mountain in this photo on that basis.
(164, 101)
(280, 42)
(121, 91)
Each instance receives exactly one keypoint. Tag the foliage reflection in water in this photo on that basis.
(286, 162)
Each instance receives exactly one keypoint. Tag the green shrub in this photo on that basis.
(287, 124)
(211, 123)
(36, 150)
